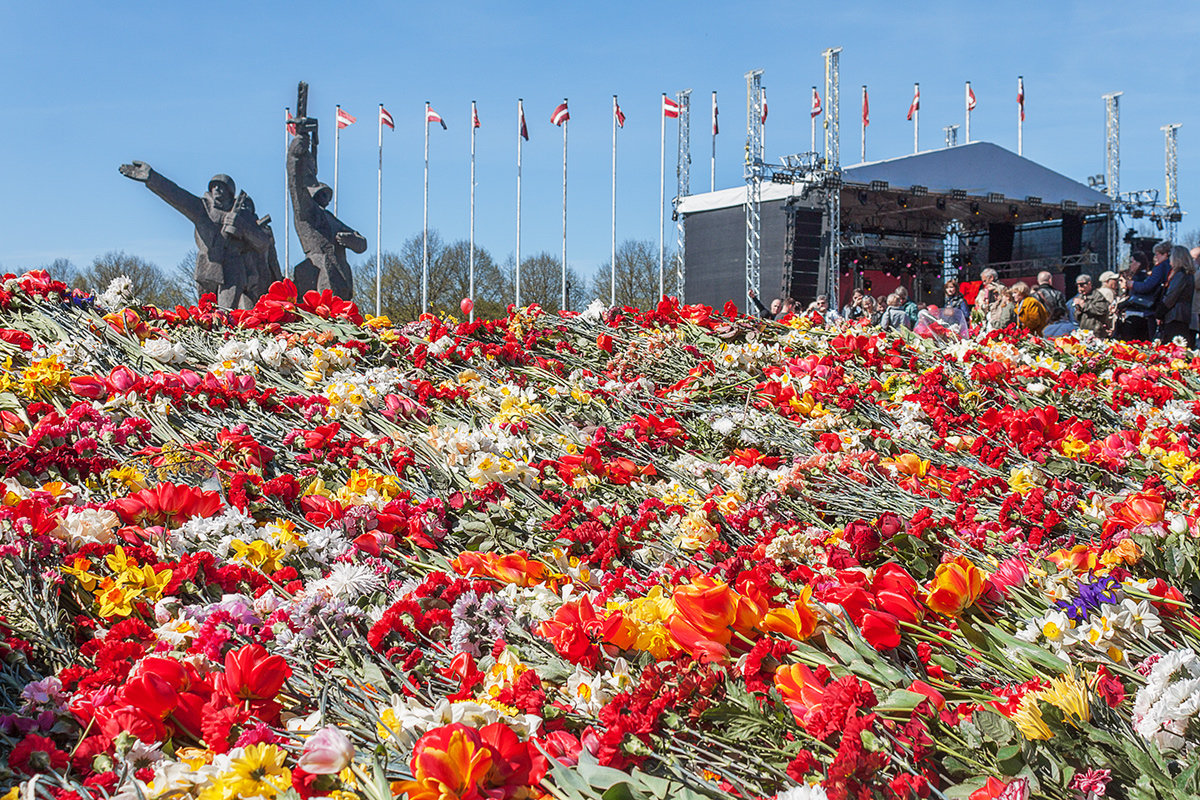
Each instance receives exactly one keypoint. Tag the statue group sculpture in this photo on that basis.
(235, 249)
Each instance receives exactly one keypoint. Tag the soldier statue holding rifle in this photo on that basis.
(323, 236)
(235, 250)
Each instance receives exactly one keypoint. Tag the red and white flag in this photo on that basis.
(344, 120)
(1021, 96)
(619, 113)
(715, 127)
(866, 109)
(970, 98)
(385, 118)
(474, 116)
(433, 116)
(816, 104)
(287, 117)
(764, 99)
(560, 115)
(670, 108)
(915, 105)
(521, 118)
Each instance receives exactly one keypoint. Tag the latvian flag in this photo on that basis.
(670, 108)
(715, 129)
(816, 104)
(764, 99)
(385, 118)
(474, 117)
(344, 120)
(915, 105)
(1021, 96)
(560, 114)
(521, 116)
(433, 116)
(287, 117)
(970, 98)
(620, 114)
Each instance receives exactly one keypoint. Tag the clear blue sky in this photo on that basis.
(199, 88)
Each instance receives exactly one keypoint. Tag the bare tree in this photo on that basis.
(61, 269)
(636, 278)
(541, 283)
(149, 285)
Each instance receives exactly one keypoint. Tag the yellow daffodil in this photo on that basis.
(260, 772)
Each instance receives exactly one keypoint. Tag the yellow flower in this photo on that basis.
(155, 583)
(118, 562)
(1029, 720)
(260, 771)
(258, 554)
(1021, 480)
(378, 323)
(1070, 696)
(116, 599)
(1074, 448)
(80, 569)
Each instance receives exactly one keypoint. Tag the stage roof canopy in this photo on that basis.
(979, 170)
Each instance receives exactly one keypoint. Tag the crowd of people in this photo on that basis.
(1156, 298)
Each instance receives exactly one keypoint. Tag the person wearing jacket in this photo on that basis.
(1089, 308)
(1175, 308)
(1146, 290)
(894, 316)
(1031, 312)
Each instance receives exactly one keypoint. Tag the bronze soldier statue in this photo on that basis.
(322, 235)
(234, 248)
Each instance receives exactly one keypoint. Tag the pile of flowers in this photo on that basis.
(674, 552)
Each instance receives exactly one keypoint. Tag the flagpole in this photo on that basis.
(916, 117)
(613, 291)
(563, 304)
(863, 156)
(425, 224)
(967, 100)
(471, 262)
(379, 224)
(1020, 115)
(337, 134)
(517, 277)
(712, 175)
(812, 120)
(287, 200)
(662, 178)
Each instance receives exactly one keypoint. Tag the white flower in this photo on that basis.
(594, 310)
(89, 525)
(119, 293)
(804, 792)
(349, 581)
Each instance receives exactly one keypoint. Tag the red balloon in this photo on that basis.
(467, 305)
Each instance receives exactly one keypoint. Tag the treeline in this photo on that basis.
(449, 279)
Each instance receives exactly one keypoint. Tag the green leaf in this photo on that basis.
(963, 790)
(994, 726)
(1032, 652)
(901, 700)
(1008, 758)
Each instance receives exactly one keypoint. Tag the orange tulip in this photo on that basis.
(704, 610)
(955, 587)
(797, 622)
(1079, 559)
(513, 568)
(449, 763)
(801, 690)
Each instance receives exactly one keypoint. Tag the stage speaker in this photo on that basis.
(1000, 241)
(806, 249)
(1072, 234)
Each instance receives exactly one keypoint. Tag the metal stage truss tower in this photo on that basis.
(1172, 180)
(833, 173)
(683, 176)
(1112, 171)
(753, 173)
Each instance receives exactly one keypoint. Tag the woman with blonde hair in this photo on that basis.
(1031, 314)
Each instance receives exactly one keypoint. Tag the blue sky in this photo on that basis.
(199, 88)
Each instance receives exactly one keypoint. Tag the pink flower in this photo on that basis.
(1094, 781)
(327, 752)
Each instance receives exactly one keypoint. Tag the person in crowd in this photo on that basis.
(1051, 298)
(1060, 324)
(1195, 254)
(989, 297)
(1130, 327)
(787, 307)
(1145, 291)
(910, 308)
(1004, 310)
(1110, 288)
(763, 311)
(1174, 310)
(1031, 312)
(954, 299)
(821, 306)
(894, 317)
(1089, 308)
(853, 308)
(871, 310)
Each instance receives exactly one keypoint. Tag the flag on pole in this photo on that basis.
(1021, 96)
(474, 116)
(433, 116)
(620, 114)
(670, 108)
(521, 114)
(291, 126)
(970, 98)
(816, 104)
(866, 109)
(385, 118)
(715, 129)
(345, 120)
(915, 105)
(559, 116)
(764, 99)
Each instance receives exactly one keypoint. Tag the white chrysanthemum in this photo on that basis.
(349, 581)
(119, 294)
(804, 792)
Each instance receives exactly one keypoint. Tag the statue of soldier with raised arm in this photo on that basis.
(235, 249)
(323, 236)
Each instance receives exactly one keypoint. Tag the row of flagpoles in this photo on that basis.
(560, 117)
